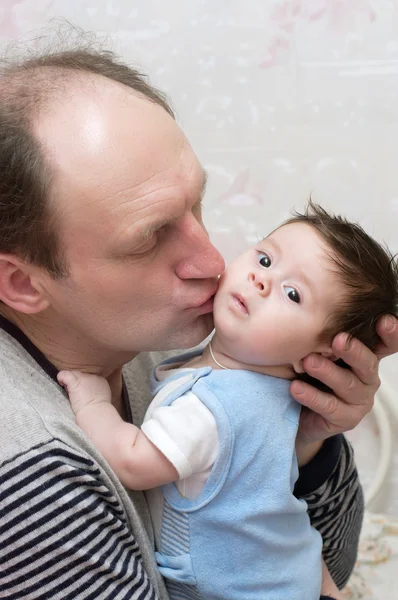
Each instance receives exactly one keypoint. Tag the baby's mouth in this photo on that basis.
(240, 301)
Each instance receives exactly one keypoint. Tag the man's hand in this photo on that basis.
(354, 389)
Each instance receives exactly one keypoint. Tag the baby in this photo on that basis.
(219, 436)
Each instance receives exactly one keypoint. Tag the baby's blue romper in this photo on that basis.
(246, 537)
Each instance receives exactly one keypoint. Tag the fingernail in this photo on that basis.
(389, 323)
(299, 387)
(316, 361)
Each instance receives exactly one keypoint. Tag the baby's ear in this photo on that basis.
(298, 366)
(329, 354)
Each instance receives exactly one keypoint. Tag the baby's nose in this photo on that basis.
(262, 283)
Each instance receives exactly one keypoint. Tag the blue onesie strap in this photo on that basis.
(221, 467)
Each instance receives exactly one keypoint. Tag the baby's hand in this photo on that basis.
(84, 389)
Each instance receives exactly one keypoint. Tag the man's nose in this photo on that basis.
(200, 259)
(261, 282)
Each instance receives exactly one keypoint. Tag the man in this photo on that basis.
(103, 255)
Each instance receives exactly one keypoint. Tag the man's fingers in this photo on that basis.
(363, 362)
(344, 382)
(321, 403)
(388, 331)
(337, 415)
(353, 389)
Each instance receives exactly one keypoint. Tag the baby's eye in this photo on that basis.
(264, 260)
(292, 294)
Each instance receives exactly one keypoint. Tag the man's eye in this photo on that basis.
(148, 245)
(264, 260)
(292, 294)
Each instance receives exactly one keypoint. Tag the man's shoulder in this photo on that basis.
(39, 432)
(34, 410)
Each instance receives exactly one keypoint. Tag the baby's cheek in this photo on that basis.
(268, 344)
(281, 345)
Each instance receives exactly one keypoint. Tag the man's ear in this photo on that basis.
(20, 286)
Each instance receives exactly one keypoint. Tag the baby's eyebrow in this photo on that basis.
(309, 283)
(272, 243)
(301, 273)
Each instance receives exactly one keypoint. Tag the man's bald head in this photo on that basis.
(30, 89)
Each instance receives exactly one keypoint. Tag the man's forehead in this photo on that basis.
(100, 149)
(121, 214)
(97, 127)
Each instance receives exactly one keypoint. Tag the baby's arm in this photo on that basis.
(136, 461)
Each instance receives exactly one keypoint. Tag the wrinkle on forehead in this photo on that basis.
(158, 200)
(166, 178)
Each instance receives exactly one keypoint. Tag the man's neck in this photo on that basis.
(66, 351)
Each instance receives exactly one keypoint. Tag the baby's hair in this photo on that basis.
(367, 270)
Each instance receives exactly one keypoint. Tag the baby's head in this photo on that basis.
(313, 277)
(367, 271)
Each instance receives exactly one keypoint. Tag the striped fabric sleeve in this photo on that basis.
(336, 510)
(63, 534)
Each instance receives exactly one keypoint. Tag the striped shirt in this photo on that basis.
(63, 533)
(336, 510)
(68, 528)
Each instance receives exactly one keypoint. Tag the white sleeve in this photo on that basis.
(186, 433)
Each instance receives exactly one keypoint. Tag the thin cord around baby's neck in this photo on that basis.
(214, 359)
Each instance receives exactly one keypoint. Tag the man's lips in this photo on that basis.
(206, 301)
(207, 306)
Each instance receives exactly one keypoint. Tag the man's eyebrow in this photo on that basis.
(147, 232)
(204, 182)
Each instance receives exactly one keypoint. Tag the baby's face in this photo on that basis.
(273, 301)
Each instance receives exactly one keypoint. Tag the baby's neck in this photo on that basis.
(206, 360)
